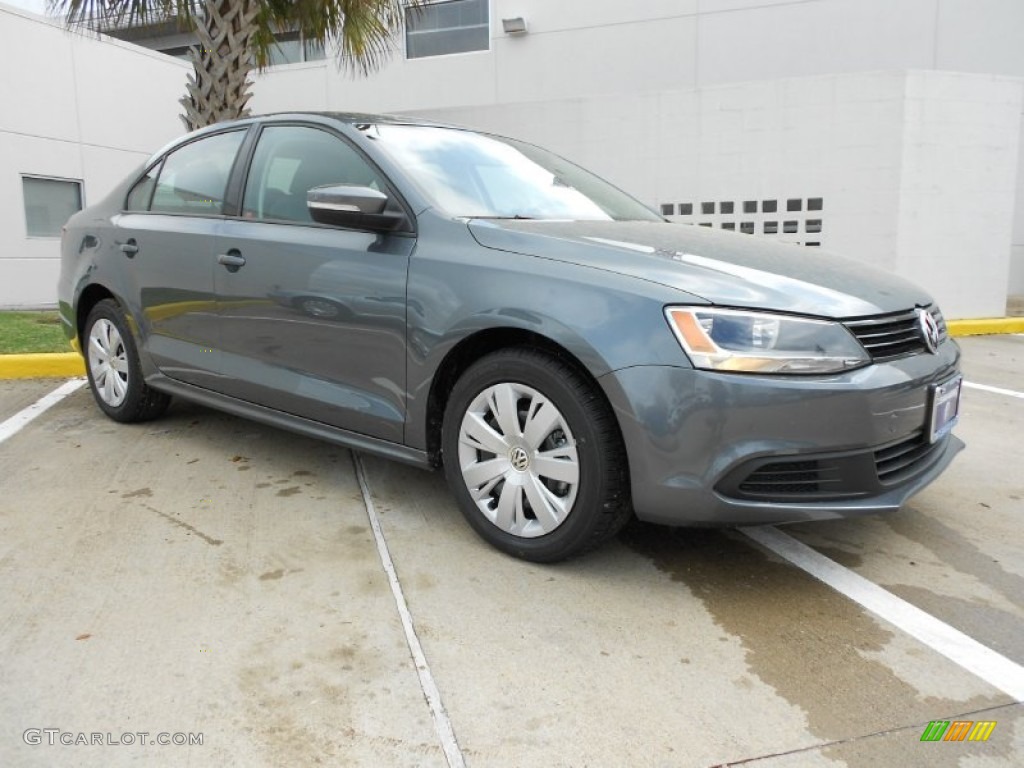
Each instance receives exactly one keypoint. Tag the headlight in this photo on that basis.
(759, 342)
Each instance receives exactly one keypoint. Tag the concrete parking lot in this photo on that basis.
(205, 576)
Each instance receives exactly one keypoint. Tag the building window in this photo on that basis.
(288, 48)
(49, 203)
(456, 26)
(177, 52)
(292, 48)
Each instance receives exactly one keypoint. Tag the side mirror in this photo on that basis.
(345, 205)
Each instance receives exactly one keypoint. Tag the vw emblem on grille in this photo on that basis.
(519, 459)
(929, 330)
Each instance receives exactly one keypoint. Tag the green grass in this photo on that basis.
(31, 332)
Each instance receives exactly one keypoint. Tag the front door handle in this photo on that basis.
(130, 248)
(233, 260)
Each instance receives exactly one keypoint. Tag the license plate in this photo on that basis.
(945, 410)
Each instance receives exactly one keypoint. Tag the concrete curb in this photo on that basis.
(39, 366)
(986, 325)
(66, 364)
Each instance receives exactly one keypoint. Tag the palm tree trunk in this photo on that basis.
(219, 89)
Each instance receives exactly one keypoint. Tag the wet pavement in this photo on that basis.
(204, 574)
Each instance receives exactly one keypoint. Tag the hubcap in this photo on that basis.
(108, 362)
(518, 459)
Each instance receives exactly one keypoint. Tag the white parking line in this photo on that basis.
(17, 422)
(994, 668)
(442, 724)
(994, 390)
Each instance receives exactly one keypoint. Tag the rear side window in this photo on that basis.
(193, 179)
(289, 161)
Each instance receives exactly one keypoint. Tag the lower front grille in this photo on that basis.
(903, 460)
(789, 478)
(832, 476)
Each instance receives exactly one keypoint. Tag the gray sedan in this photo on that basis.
(451, 298)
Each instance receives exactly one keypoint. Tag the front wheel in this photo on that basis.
(112, 364)
(534, 457)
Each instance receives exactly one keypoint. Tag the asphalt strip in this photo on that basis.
(442, 725)
(994, 668)
(18, 421)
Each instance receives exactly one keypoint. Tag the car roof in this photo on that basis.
(349, 118)
(360, 118)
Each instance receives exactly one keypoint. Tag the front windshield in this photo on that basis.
(474, 175)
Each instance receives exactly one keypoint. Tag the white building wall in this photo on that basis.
(85, 108)
(915, 171)
(1016, 287)
(580, 48)
(959, 172)
(677, 100)
(790, 133)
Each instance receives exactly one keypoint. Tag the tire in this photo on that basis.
(112, 364)
(549, 483)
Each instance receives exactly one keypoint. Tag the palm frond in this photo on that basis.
(110, 13)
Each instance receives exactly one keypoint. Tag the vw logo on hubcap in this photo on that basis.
(519, 459)
(929, 330)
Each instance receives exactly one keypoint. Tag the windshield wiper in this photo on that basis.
(517, 217)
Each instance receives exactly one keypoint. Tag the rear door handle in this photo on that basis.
(130, 248)
(233, 260)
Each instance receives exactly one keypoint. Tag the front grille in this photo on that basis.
(901, 461)
(894, 335)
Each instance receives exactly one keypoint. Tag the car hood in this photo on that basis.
(724, 268)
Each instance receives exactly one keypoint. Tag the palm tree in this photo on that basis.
(236, 36)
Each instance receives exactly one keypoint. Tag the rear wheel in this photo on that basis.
(112, 364)
(534, 456)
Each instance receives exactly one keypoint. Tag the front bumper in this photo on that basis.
(713, 449)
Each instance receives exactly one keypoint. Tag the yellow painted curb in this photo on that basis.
(985, 325)
(39, 366)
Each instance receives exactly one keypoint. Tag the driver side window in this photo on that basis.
(289, 161)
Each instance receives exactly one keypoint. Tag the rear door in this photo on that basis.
(312, 317)
(168, 238)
